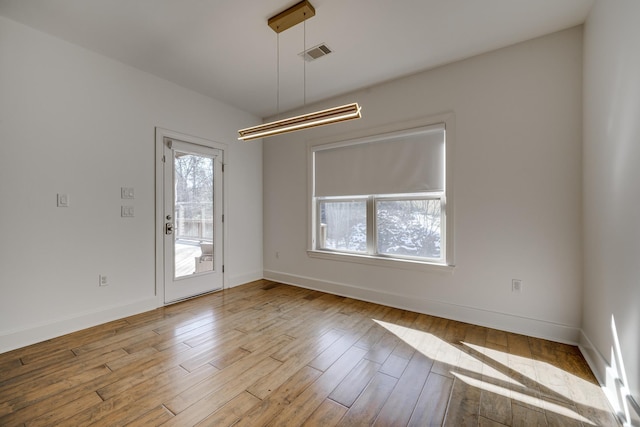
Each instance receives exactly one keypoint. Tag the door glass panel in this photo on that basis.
(193, 219)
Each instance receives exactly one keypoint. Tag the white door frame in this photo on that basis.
(159, 205)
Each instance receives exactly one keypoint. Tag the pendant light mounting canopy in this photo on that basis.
(292, 16)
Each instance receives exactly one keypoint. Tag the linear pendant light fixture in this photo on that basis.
(304, 121)
(280, 22)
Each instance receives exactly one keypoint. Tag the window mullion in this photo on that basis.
(371, 226)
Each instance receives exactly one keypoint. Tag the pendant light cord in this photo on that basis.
(304, 61)
(278, 74)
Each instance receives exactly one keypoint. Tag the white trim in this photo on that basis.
(608, 381)
(11, 340)
(487, 318)
(596, 361)
(190, 148)
(381, 261)
(162, 133)
(242, 279)
(430, 123)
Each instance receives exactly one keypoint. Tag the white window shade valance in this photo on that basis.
(404, 162)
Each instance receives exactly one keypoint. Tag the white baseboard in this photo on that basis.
(241, 279)
(13, 339)
(625, 407)
(17, 338)
(491, 319)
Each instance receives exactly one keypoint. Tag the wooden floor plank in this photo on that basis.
(218, 380)
(112, 411)
(155, 417)
(231, 411)
(126, 407)
(359, 326)
(52, 402)
(212, 350)
(496, 407)
(464, 405)
(382, 349)
(394, 366)
(486, 422)
(26, 382)
(353, 384)
(402, 401)
(66, 411)
(38, 395)
(309, 400)
(272, 405)
(366, 408)
(269, 354)
(21, 369)
(206, 404)
(495, 336)
(525, 417)
(328, 414)
(296, 360)
(68, 341)
(432, 403)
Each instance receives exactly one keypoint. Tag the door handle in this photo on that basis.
(168, 228)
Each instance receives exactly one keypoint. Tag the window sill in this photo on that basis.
(382, 262)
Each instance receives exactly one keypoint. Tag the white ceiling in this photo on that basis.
(224, 48)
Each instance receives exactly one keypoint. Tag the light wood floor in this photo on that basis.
(271, 354)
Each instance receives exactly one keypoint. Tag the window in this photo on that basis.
(382, 197)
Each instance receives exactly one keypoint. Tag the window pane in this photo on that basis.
(409, 228)
(343, 225)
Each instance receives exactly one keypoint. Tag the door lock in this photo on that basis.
(168, 228)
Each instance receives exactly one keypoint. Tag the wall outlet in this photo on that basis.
(127, 211)
(516, 285)
(102, 280)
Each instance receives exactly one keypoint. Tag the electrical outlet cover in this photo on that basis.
(516, 285)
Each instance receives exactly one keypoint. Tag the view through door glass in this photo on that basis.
(194, 208)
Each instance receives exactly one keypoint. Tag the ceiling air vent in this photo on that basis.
(315, 52)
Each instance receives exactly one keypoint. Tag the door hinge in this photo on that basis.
(223, 268)
(223, 168)
(222, 217)
(164, 159)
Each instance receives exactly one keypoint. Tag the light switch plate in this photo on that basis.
(126, 211)
(63, 200)
(127, 193)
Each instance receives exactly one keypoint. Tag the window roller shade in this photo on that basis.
(409, 162)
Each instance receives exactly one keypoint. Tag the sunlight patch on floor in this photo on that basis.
(524, 398)
(439, 350)
(529, 381)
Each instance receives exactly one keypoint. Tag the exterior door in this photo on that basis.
(192, 218)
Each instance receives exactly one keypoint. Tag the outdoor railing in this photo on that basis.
(194, 229)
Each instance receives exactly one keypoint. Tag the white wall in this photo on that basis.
(517, 177)
(612, 192)
(75, 122)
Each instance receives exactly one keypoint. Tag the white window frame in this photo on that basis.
(446, 263)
